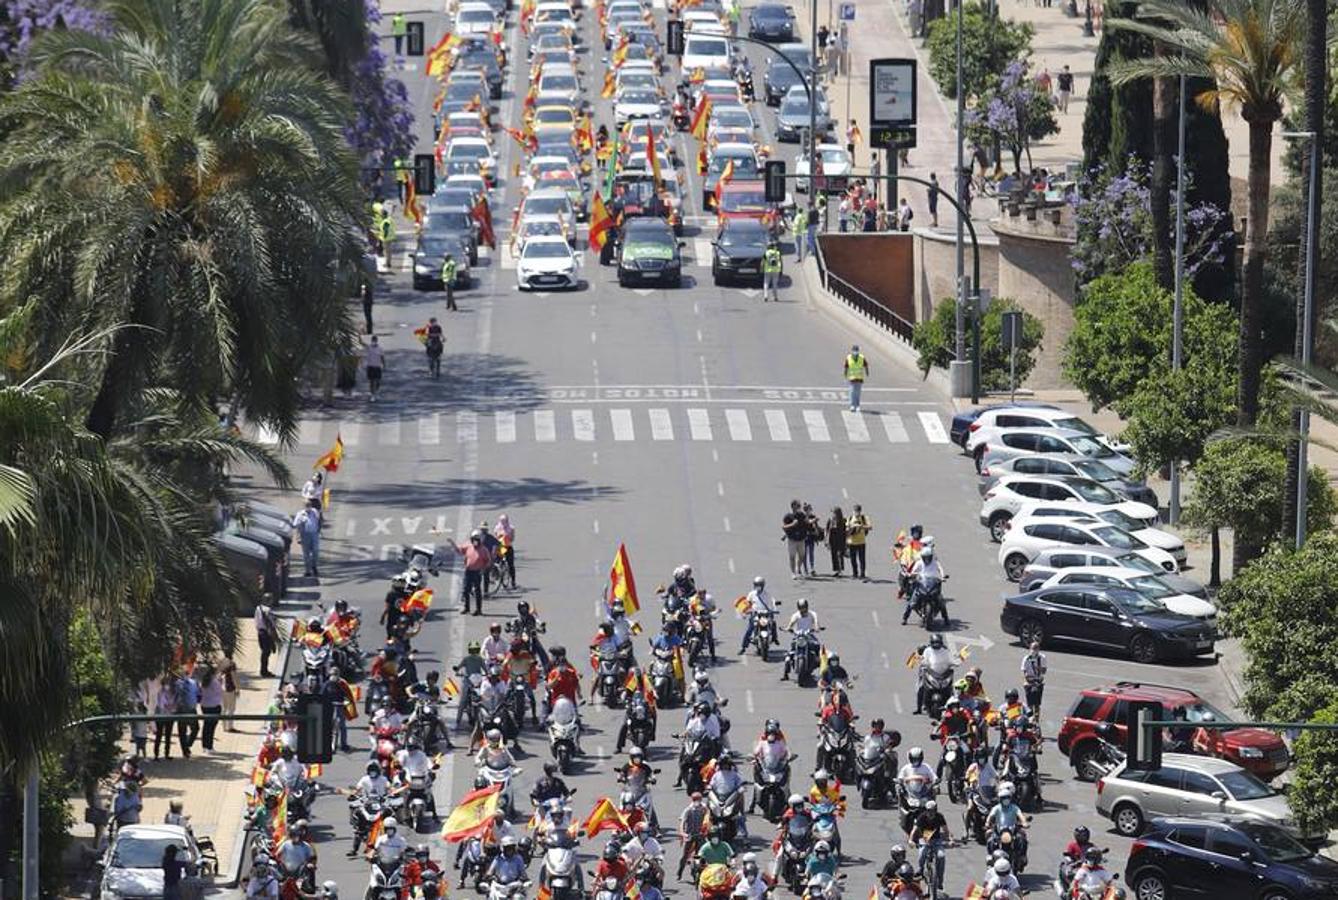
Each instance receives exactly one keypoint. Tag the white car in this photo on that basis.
(992, 421)
(636, 79)
(1006, 443)
(539, 226)
(1055, 559)
(133, 864)
(718, 87)
(701, 21)
(547, 262)
(475, 19)
(473, 148)
(556, 13)
(1023, 542)
(1007, 496)
(1150, 535)
(549, 202)
(730, 116)
(706, 51)
(559, 87)
(474, 183)
(637, 103)
(542, 165)
(1150, 586)
(835, 163)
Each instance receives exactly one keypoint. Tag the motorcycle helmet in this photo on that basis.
(1010, 695)
(414, 580)
(373, 769)
(1081, 834)
(1092, 856)
(341, 606)
(1002, 867)
(833, 659)
(936, 641)
(606, 629)
(701, 677)
(617, 609)
(611, 884)
(715, 834)
(897, 853)
(917, 531)
(822, 848)
(494, 737)
(495, 628)
(906, 871)
(821, 775)
(727, 763)
(389, 825)
(876, 725)
(494, 670)
(952, 703)
(558, 652)
(750, 866)
(399, 582)
(509, 844)
(314, 625)
(329, 891)
(795, 801)
(415, 742)
(475, 535)
(523, 608)
(759, 583)
(801, 604)
(422, 852)
(286, 752)
(982, 755)
(771, 728)
(702, 709)
(475, 647)
(931, 804)
(636, 753)
(1006, 791)
(927, 554)
(300, 828)
(915, 756)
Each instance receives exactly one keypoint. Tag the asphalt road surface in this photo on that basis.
(681, 422)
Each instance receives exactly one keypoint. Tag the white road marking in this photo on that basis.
(466, 426)
(726, 523)
(596, 526)
(388, 433)
(661, 426)
(739, 429)
(855, 427)
(699, 335)
(720, 489)
(701, 251)
(699, 423)
(508, 260)
(777, 424)
(896, 703)
(895, 428)
(429, 429)
(748, 699)
(351, 432)
(622, 424)
(504, 425)
(730, 563)
(545, 426)
(583, 424)
(876, 622)
(933, 427)
(594, 337)
(816, 424)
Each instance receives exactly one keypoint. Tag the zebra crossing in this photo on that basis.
(627, 425)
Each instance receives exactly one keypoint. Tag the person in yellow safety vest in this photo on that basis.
(399, 27)
(402, 178)
(771, 272)
(799, 229)
(378, 216)
(386, 231)
(856, 370)
(448, 270)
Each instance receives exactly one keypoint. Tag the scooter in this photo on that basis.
(825, 827)
(504, 777)
(938, 688)
(385, 883)
(874, 767)
(564, 733)
(836, 746)
(561, 873)
(513, 891)
(668, 689)
(796, 843)
(953, 765)
(771, 780)
(612, 672)
(726, 810)
(640, 724)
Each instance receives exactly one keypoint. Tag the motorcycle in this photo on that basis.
(385, 883)
(513, 891)
(418, 797)
(518, 699)
(928, 602)
(771, 780)
(564, 733)
(1096, 889)
(764, 633)
(363, 813)
(427, 725)
(695, 752)
(1068, 867)
(953, 765)
(716, 882)
(825, 827)
(805, 650)
(1096, 759)
(873, 768)
(504, 777)
(937, 688)
(1020, 768)
(295, 878)
(316, 661)
(823, 887)
(429, 887)
(979, 802)
(836, 746)
(640, 723)
(561, 872)
(914, 795)
(385, 745)
(612, 672)
(700, 638)
(1013, 843)
(796, 843)
(725, 811)
(668, 689)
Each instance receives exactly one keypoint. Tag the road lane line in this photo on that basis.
(726, 523)
(739, 428)
(466, 426)
(351, 432)
(748, 699)
(720, 489)
(583, 424)
(876, 622)
(504, 425)
(816, 423)
(777, 424)
(933, 427)
(895, 427)
(545, 426)
(429, 429)
(856, 429)
(622, 424)
(388, 433)
(699, 424)
(661, 425)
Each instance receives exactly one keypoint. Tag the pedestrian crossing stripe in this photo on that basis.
(626, 425)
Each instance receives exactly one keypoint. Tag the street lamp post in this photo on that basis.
(1087, 29)
(1178, 310)
(958, 366)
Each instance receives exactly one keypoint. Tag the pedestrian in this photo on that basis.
(313, 489)
(836, 540)
(823, 33)
(449, 270)
(211, 704)
(188, 704)
(858, 527)
(856, 370)
(1065, 82)
(771, 272)
(477, 561)
(267, 635)
(843, 213)
(1043, 80)
(933, 200)
(173, 868)
(811, 239)
(870, 215)
(139, 731)
(307, 524)
(366, 292)
(904, 215)
(399, 28)
(793, 528)
(374, 361)
(812, 537)
(1033, 676)
(917, 18)
(227, 670)
(799, 229)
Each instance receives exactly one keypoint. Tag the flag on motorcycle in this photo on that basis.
(604, 817)
(822, 659)
(635, 628)
(330, 461)
(633, 891)
(543, 893)
(419, 601)
(630, 684)
(701, 117)
(974, 892)
(708, 770)
(742, 604)
(622, 583)
(473, 815)
(678, 664)
(374, 833)
(610, 86)
(258, 776)
(350, 701)
(913, 661)
(278, 823)
(315, 770)
(451, 689)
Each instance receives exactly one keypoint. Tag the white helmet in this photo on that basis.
(759, 582)
(1002, 867)
(1006, 789)
(390, 824)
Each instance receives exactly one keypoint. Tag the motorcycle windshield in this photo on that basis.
(870, 750)
(564, 711)
(918, 789)
(798, 829)
(772, 756)
(837, 724)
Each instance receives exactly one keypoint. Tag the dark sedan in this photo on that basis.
(648, 252)
(779, 77)
(771, 22)
(738, 251)
(1224, 858)
(430, 255)
(1105, 619)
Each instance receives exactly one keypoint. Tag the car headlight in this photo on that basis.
(108, 894)
(422, 270)
(1251, 753)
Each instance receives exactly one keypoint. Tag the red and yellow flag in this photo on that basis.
(604, 817)
(974, 892)
(726, 176)
(701, 117)
(543, 893)
(742, 604)
(621, 583)
(652, 157)
(472, 815)
(483, 215)
(610, 86)
(630, 683)
(350, 702)
(450, 688)
(419, 601)
(374, 833)
(278, 823)
(330, 461)
(620, 52)
(411, 210)
(258, 776)
(421, 334)
(315, 770)
(601, 223)
(702, 162)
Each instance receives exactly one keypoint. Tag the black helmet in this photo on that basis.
(341, 606)
(771, 727)
(727, 762)
(373, 769)
(936, 641)
(1092, 856)
(557, 651)
(1081, 834)
(897, 853)
(1011, 695)
(905, 871)
(550, 769)
(523, 607)
(876, 725)
(917, 530)
(611, 850)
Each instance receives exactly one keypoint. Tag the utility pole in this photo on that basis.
(959, 365)
(1178, 310)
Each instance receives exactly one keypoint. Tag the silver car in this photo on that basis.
(1053, 559)
(132, 867)
(1008, 443)
(996, 466)
(1190, 786)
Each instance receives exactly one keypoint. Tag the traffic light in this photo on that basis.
(315, 729)
(674, 37)
(775, 181)
(424, 174)
(1142, 746)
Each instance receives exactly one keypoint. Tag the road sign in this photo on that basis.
(774, 185)
(892, 92)
(1012, 330)
(1143, 746)
(847, 12)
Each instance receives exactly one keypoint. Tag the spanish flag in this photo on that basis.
(543, 893)
(350, 702)
(258, 776)
(278, 823)
(450, 688)
(519, 137)
(374, 833)
(678, 664)
(473, 815)
(630, 684)
(609, 85)
(421, 334)
(604, 817)
(411, 210)
(330, 461)
(974, 892)
(702, 162)
(601, 223)
(913, 660)
(822, 659)
(315, 770)
(621, 582)
(701, 117)
(483, 215)
(726, 176)
(742, 605)
(620, 52)
(419, 601)
(653, 158)
(697, 75)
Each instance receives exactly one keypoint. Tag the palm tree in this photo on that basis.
(1252, 49)
(185, 173)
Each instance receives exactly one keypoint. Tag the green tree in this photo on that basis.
(1314, 772)
(989, 44)
(1171, 414)
(1122, 336)
(185, 174)
(1285, 260)
(1252, 50)
(935, 337)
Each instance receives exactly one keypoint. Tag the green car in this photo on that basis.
(648, 253)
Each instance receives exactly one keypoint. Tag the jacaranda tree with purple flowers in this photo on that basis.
(22, 20)
(1013, 112)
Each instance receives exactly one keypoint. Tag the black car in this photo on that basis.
(486, 60)
(738, 251)
(649, 253)
(1224, 858)
(779, 77)
(1108, 618)
(960, 429)
(771, 22)
(455, 221)
(430, 254)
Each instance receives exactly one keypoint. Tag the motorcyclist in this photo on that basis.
(970, 686)
(611, 863)
(926, 576)
(494, 753)
(751, 885)
(1092, 878)
(562, 680)
(715, 851)
(472, 663)
(263, 883)
(286, 771)
(702, 691)
(508, 867)
(622, 626)
(296, 853)
(638, 777)
(759, 601)
(398, 592)
(342, 619)
(771, 748)
(691, 825)
(825, 789)
(915, 772)
(683, 587)
(836, 702)
(1078, 847)
(1012, 707)
(832, 674)
(495, 645)
(390, 846)
(642, 845)
(420, 864)
(896, 858)
(982, 775)
(374, 785)
(415, 763)
(955, 722)
(935, 659)
(802, 621)
(526, 624)
(549, 786)
(820, 861)
(520, 662)
(1006, 815)
(726, 781)
(905, 884)
(704, 722)
(702, 606)
(929, 833)
(1001, 877)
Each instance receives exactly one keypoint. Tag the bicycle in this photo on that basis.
(499, 572)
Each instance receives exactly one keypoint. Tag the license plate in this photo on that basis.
(748, 270)
(650, 274)
(548, 279)
(1202, 645)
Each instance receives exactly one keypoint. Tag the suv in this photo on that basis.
(1054, 559)
(1025, 540)
(1005, 443)
(996, 466)
(1002, 501)
(961, 421)
(1262, 752)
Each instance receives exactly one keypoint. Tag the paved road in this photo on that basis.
(681, 422)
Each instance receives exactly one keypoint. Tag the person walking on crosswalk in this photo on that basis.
(771, 270)
(856, 370)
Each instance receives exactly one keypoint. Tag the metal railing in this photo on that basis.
(870, 307)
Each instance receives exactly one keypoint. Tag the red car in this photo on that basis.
(1261, 752)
